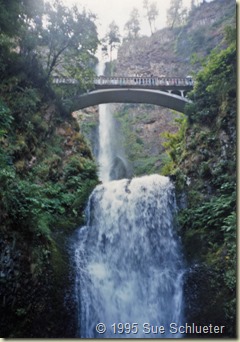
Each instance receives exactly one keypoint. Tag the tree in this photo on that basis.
(132, 26)
(193, 4)
(151, 14)
(9, 11)
(14, 14)
(111, 40)
(19, 25)
(69, 40)
(176, 14)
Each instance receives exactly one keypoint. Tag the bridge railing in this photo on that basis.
(153, 81)
(64, 80)
(144, 81)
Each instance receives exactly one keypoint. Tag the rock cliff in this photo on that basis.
(169, 52)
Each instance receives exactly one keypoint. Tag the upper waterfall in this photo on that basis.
(105, 123)
(111, 160)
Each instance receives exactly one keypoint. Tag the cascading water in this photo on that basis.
(129, 267)
(105, 156)
(129, 263)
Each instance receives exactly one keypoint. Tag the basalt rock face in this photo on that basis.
(142, 127)
(119, 169)
(167, 52)
(32, 300)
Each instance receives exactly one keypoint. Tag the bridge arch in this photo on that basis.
(131, 95)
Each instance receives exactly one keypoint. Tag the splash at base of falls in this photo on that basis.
(128, 260)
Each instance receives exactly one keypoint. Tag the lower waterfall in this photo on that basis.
(129, 267)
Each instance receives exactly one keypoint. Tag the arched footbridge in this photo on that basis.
(168, 92)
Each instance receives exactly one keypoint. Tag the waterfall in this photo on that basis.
(111, 156)
(105, 123)
(105, 158)
(128, 262)
(129, 265)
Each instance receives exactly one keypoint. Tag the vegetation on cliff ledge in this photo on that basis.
(46, 172)
(203, 159)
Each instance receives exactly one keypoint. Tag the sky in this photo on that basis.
(119, 11)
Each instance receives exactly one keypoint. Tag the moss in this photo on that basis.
(46, 178)
(68, 224)
(204, 162)
(20, 165)
(59, 263)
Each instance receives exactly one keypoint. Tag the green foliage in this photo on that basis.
(175, 146)
(209, 236)
(5, 126)
(5, 119)
(215, 84)
(198, 39)
(36, 209)
(229, 230)
(18, 12)
(230, 35)
(65, 44)
(21, 312)
(196, 42)
(131, 139)
(46, 167)
(146, 165)
(140, 160)
(202, 156)
(70, 36)
(25, 104)
(210, 216)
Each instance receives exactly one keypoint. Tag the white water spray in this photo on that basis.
(129, 262)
